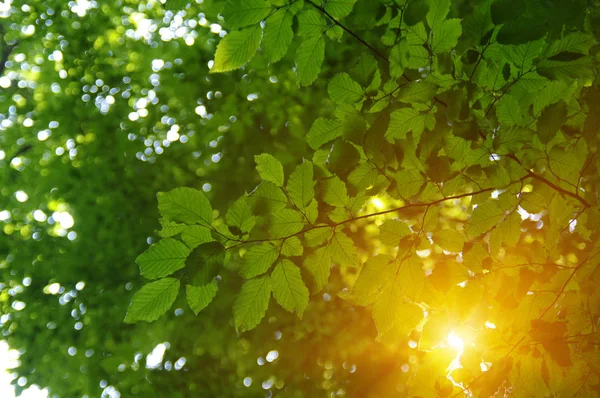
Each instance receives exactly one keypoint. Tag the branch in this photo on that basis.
(357, 37)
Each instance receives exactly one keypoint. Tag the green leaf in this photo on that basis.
(185, 205)
(206, 260)
(311, 24)
(242, 13)
(335, 193)
(300, 185)
(236, 49)
(258, 260)
(240, 215)
(477, 24)
(342, 89)
(508, 232)
(363, 176)
(404, 279)
(404, 120)
(152, 300)
(449, 240)
(415, 11)
(318, 263)
(251, 303)
(267, 198)
(292, 247)
(364, 69)
(339, 8)
(438, 9)
(509, 111)
(342, 250)
(506, 10)
(484, 217)
(418, 92)
(391, 231)
(551, 120)
(162, 258)
(581, 68)
(278, 33)
(370, 282)
(322, 131)
(286, 222)
(194, 235)
(446, 36)
(269, 168)
(309, 58)
(170, 228)
(288, 287)
(408, 183)
(318, 236)
(199, 297)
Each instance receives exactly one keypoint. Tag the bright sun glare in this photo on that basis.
(455, 341)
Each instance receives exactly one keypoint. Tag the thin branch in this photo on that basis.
(357, 37)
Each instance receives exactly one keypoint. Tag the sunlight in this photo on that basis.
(455, 342)
(377, 203)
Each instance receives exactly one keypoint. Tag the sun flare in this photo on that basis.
(455, 341)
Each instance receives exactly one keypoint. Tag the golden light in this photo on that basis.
(377, 203)
(455, 341)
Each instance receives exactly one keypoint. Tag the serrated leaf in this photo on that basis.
(369, 283)
(258, 260)
(206, 260)
(240, 215)
(318, 263)
(408, 183)
(162, 258)
(438, 9)
(418, 92)
(311, 24)
(318, 236)
(339, 8)
(286, 222)
(236, 49)
(322, 131)
(364, 69)
(251, 303)
(278, 33)
(199, 297)
(446, 36)
(449, 240)
(363, 176)
(404, 120)
(551, 120)
(343, 90)
(185, 205)
(242, 13)
(170, 228)
(335, 193)
(509, 111)
(266, 198)
(269, 168)
(342, 249)
(391, 231)
(194, 235)
(288, 287)
(309, 58)
(152, 300)
(415, 11)
(484, 217)
(292, 247)
(300, 185)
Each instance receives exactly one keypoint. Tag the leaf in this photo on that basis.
(242, 13)
(335, 193)
(438, 9)
(339, 8)
(484, 217)
(185, 205)
(269, 168)
(415, 12)
(363, 176)
(286, 222)
(446, 36)
(291, 247)
(278, 33)
(206, 260)
(508, 111)
(199, 297)
(364, 69)
(418, 92)
(251, 303)
(392, 231)
(342, 89)
(258, 260)
(551, 120)
(449, 240)
(300, 185)
(162, 258)
(322, 131)
(506, 10)
(236, 49)
(318, 263)
(240, 215)
(342, 250)
(152, 300)
(370, 282)
(288, 287)
(194, 235)
(318, 236)
(404, 120)
(267, 197)
(309, 58)
(581, 68)
(311, 24)
(408, 183)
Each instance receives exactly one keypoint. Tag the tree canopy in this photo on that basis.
(301, 198)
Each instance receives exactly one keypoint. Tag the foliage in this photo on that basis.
(424, 213)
